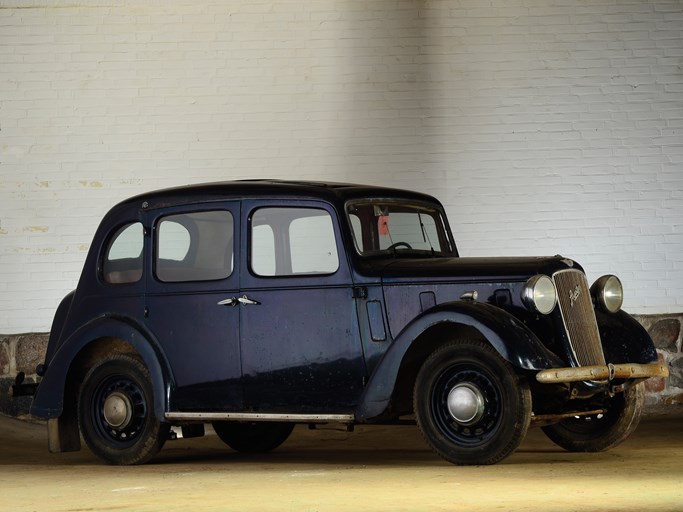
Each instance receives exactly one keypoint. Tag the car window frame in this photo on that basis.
(443, 225)
(288, 259)
(342, 276)
(113, 235)
(192, 251)
(153, 217)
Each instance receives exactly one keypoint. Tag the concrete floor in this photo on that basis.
(375, 468)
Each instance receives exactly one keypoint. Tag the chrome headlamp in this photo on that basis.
(539, 294)
(608, 293)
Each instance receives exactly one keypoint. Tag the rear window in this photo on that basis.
(123, 258)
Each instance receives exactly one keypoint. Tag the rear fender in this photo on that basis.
(49, 400)
(58, 324)
(508, 336)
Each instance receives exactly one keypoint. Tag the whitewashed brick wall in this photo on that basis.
(545, 127)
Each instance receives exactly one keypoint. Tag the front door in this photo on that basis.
(190, 287)
(298, 328)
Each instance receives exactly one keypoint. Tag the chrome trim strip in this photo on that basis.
(603, 373)
(258, 416)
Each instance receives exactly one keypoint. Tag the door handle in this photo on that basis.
(246, 300)
(232, 301)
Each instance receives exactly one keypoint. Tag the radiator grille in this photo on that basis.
(579, 317)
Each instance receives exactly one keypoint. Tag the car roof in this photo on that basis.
(336, 193)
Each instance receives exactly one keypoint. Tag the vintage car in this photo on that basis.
(257, 305)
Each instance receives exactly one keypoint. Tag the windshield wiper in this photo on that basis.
(425, 237)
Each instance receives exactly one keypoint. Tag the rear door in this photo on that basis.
(299, 331)
(190, 287)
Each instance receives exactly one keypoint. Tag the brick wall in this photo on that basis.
(543, 127)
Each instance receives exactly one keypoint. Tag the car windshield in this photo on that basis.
(391, 227)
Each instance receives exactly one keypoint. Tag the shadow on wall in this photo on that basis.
(382, 73)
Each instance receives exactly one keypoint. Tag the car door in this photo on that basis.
(190, 306)
(298, 328)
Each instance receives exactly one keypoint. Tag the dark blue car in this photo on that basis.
(257, 305)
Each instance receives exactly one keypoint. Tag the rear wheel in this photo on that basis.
(116, 412)
(603, 431)
(256, 437)
(470, 405)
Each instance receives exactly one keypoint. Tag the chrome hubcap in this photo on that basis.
(118, 410)
(465, 403)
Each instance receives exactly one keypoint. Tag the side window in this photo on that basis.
(195, 246)
(263, 250)
(174, 240)
(293, 241)
(123, 259)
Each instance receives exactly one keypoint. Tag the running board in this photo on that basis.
(259, 416)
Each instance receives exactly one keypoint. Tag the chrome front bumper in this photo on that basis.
(608, 372)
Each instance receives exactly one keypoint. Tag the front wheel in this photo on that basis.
(470, 405)
(116, 412)
(600, 432)
(256, 437)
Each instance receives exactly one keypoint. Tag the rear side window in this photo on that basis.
(123, 259)
(293, 241)
(195, 246)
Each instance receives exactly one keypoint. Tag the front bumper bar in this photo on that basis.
(608, 372)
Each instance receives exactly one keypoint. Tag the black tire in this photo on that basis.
(470, 405)
(116, 412)
(256, 437)
(601, 432)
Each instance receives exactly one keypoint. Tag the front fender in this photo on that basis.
(511, 338)
(48, 401)
(624, 340)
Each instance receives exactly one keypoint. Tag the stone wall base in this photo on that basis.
(23, 352)
(665, 331)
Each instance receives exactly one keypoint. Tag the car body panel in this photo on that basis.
(259, 341)
(515, 342)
